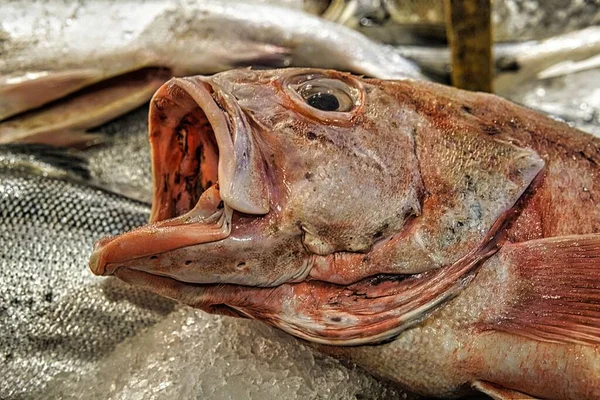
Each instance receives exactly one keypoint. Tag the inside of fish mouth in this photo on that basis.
(185, 154)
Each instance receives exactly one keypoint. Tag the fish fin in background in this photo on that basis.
(25, 91)
(557, 290)
(59, 163)
(65, 139)
(49, 161)
(497, 392)
(59, 123)
(261, 55)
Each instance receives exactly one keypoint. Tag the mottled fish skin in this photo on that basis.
(54, 317)
(455, 233)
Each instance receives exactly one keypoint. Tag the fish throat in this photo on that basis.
(185, 155)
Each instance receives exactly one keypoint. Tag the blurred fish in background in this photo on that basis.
(410, 21)
(70, 66)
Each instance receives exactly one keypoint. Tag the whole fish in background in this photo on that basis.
(443, 239)
(87, 62)
(410, 21)
(66, 335)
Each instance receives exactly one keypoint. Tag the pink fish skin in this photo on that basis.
(443, 239)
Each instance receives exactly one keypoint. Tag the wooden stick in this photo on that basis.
(468, 27)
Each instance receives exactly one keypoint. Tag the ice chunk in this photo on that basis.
(194, 355)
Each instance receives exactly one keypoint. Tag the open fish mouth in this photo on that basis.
(205, 165)
(199, 137)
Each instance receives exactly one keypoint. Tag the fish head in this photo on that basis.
(262, 179)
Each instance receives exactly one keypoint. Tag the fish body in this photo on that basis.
(55, 319)
(444, 239)
(94, 61)
(403, 22)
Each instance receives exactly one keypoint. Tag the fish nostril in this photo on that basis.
(188, 262)
(241, 265)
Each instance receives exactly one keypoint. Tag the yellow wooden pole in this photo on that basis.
(469, 32)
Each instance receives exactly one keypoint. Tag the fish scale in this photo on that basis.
(60, 321)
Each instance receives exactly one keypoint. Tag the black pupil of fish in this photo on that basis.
(323, 101)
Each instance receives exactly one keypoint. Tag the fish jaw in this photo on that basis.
(240, 168)
(206, 167)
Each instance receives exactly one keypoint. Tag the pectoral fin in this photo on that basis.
(497, 392)
(22, 92)
(58, 122)
(557, 286)
(64, 164)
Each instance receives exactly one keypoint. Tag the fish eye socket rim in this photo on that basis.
(356, 93)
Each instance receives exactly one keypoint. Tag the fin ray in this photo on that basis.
(558, 290)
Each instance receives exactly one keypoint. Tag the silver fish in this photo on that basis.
(122, 163)
(95, 60)
(54, 317)
(406, 21)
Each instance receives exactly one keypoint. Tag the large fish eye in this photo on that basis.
(326, 94)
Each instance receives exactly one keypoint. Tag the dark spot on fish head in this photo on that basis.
(154, 257)
(467, 109)
(491, 130)
(49, 297)
(311, 136)
(336, 319)
(309, 176)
